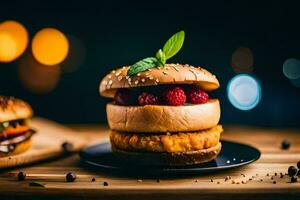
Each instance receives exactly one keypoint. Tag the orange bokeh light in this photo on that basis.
(50, 46)
(13, 40)
(36, 77)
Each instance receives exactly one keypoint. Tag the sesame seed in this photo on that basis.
(149, 70)
(127, 77)
(136, 82)
(147, 73)
(138, 74)
(176, 68)
(113, 71)
(157, 81)
(193, 72)
(110, 82)
(118, 73)
(139, 180)
(150, 77)
(165, 73)
(143, 80)
(105, 82)
(120, 78)
(109, 76)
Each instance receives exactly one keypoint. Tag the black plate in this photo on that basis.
(232, 155)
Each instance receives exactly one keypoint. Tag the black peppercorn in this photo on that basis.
(21, 176)
(105, 183)
(93, 179)
(281, 175)
(70, 177)
(292, 171)
(157, 181)
(298, 164)
(67, 147)
(285, 144)
(294, 179)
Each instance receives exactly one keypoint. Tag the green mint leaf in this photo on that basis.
(36, 184)
(174, 44)
(161, 57)
(143, 65)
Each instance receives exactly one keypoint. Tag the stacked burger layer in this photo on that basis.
(163, 115)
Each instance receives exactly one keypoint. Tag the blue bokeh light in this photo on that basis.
(291, 68)
(244, 92)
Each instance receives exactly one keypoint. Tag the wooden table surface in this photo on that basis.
(273, 161)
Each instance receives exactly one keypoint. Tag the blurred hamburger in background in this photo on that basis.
(15, 133)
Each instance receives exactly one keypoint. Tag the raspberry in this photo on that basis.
(147, 99)
(196, 95)
(174, 96)
(123, 97)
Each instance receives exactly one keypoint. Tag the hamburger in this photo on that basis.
(15, 133)
(161, 114)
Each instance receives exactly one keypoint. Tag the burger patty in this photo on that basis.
(176, 142)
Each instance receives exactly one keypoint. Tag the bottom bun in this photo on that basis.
(18, 148)
(169, 159)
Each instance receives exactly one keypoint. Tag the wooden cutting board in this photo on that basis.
(46, 143)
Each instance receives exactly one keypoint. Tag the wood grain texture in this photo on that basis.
(46, 143)
(244, 183)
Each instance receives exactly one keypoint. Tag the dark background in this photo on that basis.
(118, 33)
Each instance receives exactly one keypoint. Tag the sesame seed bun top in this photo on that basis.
(169, 74)
(13, 109)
